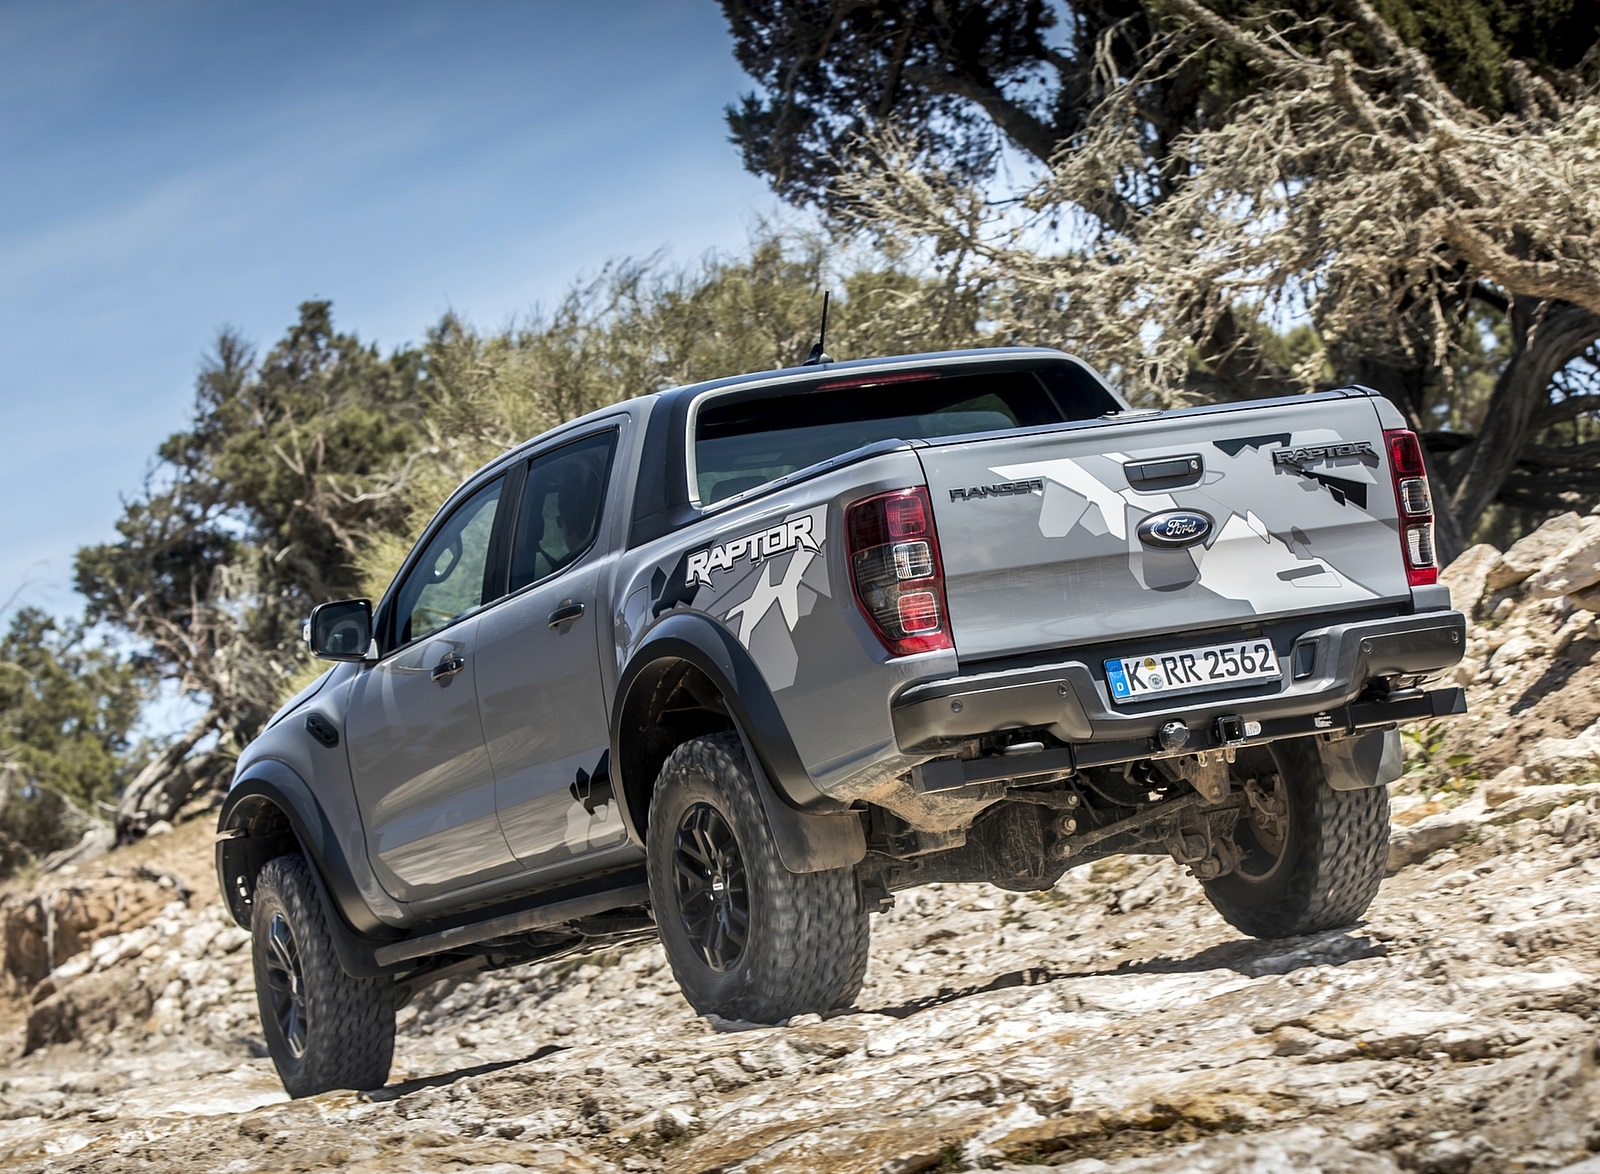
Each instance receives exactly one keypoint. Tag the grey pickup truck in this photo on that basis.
(731, 663)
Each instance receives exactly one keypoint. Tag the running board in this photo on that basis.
(543, 917)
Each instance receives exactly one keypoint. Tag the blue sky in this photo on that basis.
(168, 167)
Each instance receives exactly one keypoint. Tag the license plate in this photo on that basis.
(1133, 677)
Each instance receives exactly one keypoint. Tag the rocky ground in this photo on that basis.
(1115, 1023)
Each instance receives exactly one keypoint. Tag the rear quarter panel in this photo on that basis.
(773, 572)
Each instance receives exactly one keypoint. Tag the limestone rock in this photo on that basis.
(1588, 599)
(1505, 786)
(1468, 577)
(1574, 568)
(1532, 551)
(1553, 759)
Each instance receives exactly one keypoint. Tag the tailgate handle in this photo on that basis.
(1165, 471)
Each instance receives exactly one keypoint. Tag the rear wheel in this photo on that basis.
(746, 938)
(1310, 857)
(324, 1029)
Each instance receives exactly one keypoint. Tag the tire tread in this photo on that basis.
(811, 954)
(350, 1021)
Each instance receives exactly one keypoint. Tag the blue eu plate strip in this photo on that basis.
(1118, 679)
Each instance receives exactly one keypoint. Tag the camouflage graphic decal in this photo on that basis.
(1236, 446)
(667, 591)
(795, 533)
(1342, 488)
(1263, 559)
(764, 586)
(593, 820)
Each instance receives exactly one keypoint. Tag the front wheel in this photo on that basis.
(1310, 857)
(746, 938)
(324, 1029)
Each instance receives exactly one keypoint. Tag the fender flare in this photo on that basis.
(812, 832)
(268, 782)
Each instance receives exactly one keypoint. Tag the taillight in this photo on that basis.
(896, 572)
(1415, 504)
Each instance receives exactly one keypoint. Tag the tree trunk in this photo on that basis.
(162, 786)
(1548, 338)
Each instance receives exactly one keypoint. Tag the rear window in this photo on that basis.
(744, 441)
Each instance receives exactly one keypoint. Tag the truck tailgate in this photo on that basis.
(1169, 522)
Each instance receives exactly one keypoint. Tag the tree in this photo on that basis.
(1423, 204)
(67, 706)
(255, 513)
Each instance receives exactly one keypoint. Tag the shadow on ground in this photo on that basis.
(393, 1092)
(1248, 957)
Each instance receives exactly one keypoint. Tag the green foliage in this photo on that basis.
(1469, 42)
(66, 708)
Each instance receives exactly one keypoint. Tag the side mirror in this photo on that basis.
(341, 630)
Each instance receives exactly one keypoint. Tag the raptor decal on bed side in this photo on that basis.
(793, 533)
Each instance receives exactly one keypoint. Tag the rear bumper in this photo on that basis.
(1325, 670)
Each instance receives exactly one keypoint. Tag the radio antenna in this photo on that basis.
(818, 355)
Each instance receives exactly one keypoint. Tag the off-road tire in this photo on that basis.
(347, 1024)
(1332, 860)
(806, 936)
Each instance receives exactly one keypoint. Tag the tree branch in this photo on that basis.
(1556, 281)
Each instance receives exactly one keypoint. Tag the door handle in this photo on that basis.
(448, 667)
(566, 613)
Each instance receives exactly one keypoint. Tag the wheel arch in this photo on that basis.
(270, 812)
(691, 677)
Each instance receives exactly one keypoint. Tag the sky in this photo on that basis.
(172, 167)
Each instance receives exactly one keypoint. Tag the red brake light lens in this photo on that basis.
(907, 517)
(1405, 453)
(1415, 505)
(896, 571)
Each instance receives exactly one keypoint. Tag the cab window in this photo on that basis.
(451, 577)
(560, 512)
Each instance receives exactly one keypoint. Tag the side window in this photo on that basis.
(560, 513)
(448, 580)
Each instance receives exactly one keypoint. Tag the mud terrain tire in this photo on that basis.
(746, 938)
(1323, 868)
(324, 1029)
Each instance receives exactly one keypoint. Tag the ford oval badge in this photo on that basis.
(1175, 528)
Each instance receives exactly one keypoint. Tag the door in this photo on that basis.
(544, 715)
(423, 778)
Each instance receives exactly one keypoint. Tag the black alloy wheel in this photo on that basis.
(713, 898)
(745, 937)
(286, 984)
(324, 1028)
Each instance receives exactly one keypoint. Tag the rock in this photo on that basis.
(1529, 553)
(1575, 567)
(1505, 786)
(1515, 650)
(1554, 759)
(1414, 844)
(673, 1121)
(1587, 599)
(1468, 577)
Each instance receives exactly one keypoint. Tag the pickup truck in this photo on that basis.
(732, 663)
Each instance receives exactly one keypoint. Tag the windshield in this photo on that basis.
(745, 441)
